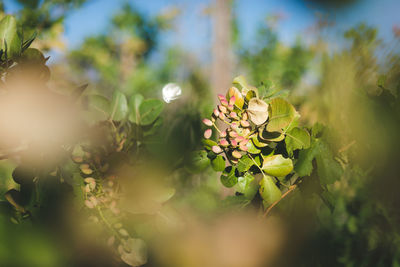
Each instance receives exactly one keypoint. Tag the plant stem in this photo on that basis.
(256, 164)
(291, 188)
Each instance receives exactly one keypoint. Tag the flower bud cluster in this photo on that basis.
(234, 139)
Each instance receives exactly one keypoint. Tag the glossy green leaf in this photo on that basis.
(134, 104)
(251, 148)
(277, 165)
(281, 113)
(9, 38)
(119, 106)
(149, 110)
(269, 192)
(218, 164)
(228, 177)
(297, 138)
(244, 163)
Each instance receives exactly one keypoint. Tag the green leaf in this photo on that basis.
(270, 136)
(259, 142)
(317, 130)
(100, 104)
(269, 191)
(277, 166)
(29, 41)
(251, 148)
(9, 38)
(304, 165)
(32, 55)
(258, 111)
(198, 161)
(281, 114)
(208, 143)
(228, 177)
(119, 106)
(244, 163)
(247, 185)
(267, 89)
(134, 104)
(247, 90)
(149, 110)
(297, 139)
(327, 168)
(218, 164)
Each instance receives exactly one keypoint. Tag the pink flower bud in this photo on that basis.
(233, 134)
(230, 107)
(239, 139)
(233, 142)
(221, 116)
(233, 115)
(221, 97)
(244, 142)
(243, 147)
(244, 123)
(236, 154)
(216, 112)
(224, 103)
(223, 142)
(216, 149)
(222, 108)
(207, 133)
(223, 134)
(232, 100)
(207, 122)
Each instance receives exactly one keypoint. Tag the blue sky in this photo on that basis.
(193, 29)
